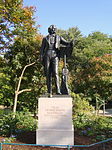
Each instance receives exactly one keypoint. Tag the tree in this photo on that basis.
(24, 52)
(89, 64)
(21, 43)
(70, 34)
(14, 19)
(86, 49)
(96, 79)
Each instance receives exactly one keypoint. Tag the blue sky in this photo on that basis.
(87, 15)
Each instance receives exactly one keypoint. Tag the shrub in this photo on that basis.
(23, 121)
(86, 122)
(98, 126)
(81, 105)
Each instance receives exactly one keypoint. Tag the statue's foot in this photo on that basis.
(58, 93)
(49, 95)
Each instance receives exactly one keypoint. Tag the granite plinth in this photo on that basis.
(55, 121)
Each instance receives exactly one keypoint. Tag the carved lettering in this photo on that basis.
(54, 112)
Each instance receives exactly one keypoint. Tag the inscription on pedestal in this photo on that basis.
(54, 112)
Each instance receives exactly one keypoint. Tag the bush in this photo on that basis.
(4, 111)
(97, 126)
(23, 121)
(81, 105)
(86, 123)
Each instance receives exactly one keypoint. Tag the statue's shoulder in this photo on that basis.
(46, 37)
(58, 37)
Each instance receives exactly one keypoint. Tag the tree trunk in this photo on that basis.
(17, 92)
(15, 102)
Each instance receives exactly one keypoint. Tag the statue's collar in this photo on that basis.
(48, 37)
(53, 35)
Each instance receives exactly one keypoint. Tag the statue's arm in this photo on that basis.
(64, 42)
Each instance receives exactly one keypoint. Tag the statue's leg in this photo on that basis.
(48, 76)
(55, 74)
(49, 82)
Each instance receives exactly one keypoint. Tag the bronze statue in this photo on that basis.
(50, 53)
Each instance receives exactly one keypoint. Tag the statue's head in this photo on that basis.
(52, 29)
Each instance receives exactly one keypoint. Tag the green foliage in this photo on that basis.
(81, 105)
(97, 45)
(23, 121)
(21, 44)
(96, 79)
(6, 91)
(81, 121)
(86, 122)
(70, 34)
(4, 111)
(24, 52)
(15, 20)
(8, 140)
(82, 111)
(98, 127)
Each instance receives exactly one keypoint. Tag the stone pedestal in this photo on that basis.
(55, 121)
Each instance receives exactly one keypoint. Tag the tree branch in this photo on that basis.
(23, 73)
(24, 90)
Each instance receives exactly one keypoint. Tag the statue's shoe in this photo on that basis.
(49, 95)
(58, 93)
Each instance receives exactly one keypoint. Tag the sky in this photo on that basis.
(88, 15)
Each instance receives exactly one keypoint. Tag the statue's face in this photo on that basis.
(52, 29)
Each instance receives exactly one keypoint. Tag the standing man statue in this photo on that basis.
(49, 54)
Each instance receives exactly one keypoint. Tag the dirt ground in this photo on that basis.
(30, 138)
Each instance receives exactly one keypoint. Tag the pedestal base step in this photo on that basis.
(55, 137)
